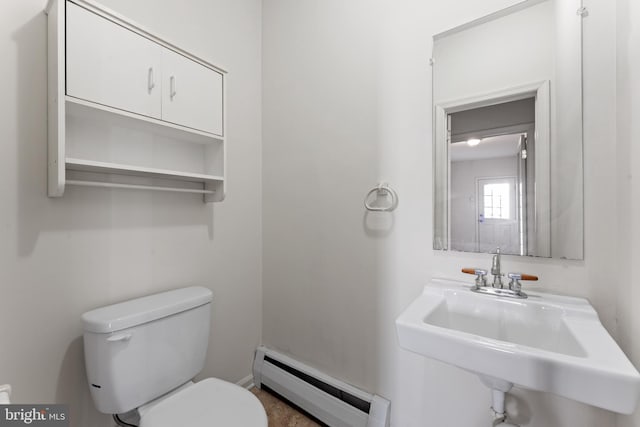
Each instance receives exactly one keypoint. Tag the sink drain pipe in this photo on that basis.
(499, 389)
(498, 411)
(497, 407)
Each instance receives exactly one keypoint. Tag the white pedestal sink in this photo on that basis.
(546, 342)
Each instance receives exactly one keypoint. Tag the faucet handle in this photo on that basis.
(522, 276)
(515, 284)
(476, 271)
(481, 275)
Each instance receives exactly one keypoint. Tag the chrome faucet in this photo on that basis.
(497, 287)
(495, 270)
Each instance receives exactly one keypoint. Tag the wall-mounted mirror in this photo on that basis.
(507, 93)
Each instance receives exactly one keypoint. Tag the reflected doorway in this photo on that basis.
(492, 178)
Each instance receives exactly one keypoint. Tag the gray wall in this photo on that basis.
(482, 122)
(61, 257)
(626, 211)
(347, 103)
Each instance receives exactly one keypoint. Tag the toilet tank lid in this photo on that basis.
(146, 309)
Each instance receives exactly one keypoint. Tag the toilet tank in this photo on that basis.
(140, 349)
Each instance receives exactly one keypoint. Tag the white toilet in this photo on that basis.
(142, 354)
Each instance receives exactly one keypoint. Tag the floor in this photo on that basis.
(280, 414)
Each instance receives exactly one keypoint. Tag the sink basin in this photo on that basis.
(547, 342)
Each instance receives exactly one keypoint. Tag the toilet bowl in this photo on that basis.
(210, 402)
(142, 355)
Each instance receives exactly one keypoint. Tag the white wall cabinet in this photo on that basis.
(110, 65)
(191, 93)
(127, 109)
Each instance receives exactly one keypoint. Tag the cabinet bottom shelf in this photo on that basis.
(90, 173)
(121, 169)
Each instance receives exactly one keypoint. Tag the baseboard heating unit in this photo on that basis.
(333, 402)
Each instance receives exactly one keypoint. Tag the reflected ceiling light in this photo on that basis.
(472, 142)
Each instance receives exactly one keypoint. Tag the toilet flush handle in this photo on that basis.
(119, 337)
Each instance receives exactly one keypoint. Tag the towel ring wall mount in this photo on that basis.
(381, 190)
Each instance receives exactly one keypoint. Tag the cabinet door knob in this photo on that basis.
(172, 84)
(150, 80)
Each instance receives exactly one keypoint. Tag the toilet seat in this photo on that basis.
(209, 403)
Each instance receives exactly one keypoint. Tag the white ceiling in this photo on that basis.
(490, 148)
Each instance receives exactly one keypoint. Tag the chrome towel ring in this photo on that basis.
(383, 189)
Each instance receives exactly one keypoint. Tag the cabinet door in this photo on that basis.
(191, 93)
(111, 65)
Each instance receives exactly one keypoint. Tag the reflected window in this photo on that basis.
(497, 201)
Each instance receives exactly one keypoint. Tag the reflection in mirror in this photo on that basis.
(508, 132)
(492, 156)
